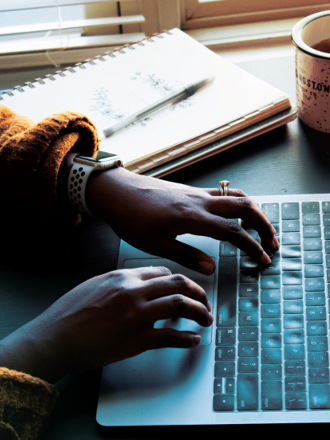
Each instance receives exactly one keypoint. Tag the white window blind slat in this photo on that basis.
(33, 26)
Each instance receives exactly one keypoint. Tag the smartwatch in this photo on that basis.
(82, 168)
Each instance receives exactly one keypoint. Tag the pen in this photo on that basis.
(184, 93)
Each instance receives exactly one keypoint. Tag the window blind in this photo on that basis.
(35, 30)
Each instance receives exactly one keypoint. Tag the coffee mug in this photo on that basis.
(311, 36)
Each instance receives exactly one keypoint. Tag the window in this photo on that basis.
(206, 13)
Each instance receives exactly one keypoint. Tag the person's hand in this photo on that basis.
(151, 213)
(106, 319)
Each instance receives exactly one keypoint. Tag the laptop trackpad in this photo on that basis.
(206, 282)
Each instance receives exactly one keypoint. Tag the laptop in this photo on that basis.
(265, 359)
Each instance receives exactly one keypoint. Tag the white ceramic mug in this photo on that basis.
(313, 70)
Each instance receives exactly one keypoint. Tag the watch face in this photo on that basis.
(102, 156)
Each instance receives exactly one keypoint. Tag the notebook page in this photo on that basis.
(116, 86)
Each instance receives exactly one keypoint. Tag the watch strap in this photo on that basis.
(77, 181)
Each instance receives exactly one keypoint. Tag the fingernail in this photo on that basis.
(265, 259)
(276, 244)
(197, 339)
(206, 267)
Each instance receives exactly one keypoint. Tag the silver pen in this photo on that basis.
(184, 93)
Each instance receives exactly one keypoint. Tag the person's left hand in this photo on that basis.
(151, 213)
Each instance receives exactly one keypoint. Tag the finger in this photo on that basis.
(175, 284)
(149, 272)
(177, 306)
(233, 192)
(184, 254)
(246, 209)
(224, 229)
(166, 337)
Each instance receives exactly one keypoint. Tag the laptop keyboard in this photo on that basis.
(272, 347)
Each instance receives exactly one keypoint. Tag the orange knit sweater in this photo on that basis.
(30, 158)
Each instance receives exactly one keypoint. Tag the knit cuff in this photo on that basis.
(26, 403)
(30, 158)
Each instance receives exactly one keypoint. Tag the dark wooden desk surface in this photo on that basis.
(292, 159)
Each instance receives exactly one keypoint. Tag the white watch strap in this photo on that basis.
(77, 181)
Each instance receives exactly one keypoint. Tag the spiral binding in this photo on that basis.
(82, 65)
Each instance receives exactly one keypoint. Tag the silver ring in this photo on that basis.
(224, 187)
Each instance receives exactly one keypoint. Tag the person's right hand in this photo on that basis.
(106, 319)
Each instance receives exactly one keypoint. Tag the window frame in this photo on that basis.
(207, 13)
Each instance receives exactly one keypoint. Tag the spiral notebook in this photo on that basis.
(234, 107)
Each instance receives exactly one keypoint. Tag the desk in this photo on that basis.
(292, 159)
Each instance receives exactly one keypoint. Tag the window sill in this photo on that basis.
(262, 34)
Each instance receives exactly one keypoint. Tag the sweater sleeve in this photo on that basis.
(25, 405)
(30, 158)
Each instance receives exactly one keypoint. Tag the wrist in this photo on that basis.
(100, 188)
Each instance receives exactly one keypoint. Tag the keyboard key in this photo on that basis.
(295, 383)
(249, 289)
(295, 401)
(291, 251)
(319, 396)
(271, 395)
(226, 336)
(315, 299)
(318, 375)
(293, 321)
(314, 285)
(294, 367)
(317, 343)
(326, 232)
(270, 310)
(311, 231)
(318, 359)
(313, 258)
(294, 336)
(311, 219)
(291, 278)
(313, 270)
(316, 328)
(294, 351)
(224, 369)
(291, 226)
(227, 303)
(248, 304)
(270, 325)
(248, 365)
(225, 353)
(271, 296)
(227, 249)
(315, 313)
(271, 356)
(326, 207)
(308, 207)
(271, 340)
(290, 211)
(293, 307)
(292, 264)
(292, 292)
(247, 392)
(270, 282)
(271, 372)
(289, 238)
(248, 318)
(248, 333)
(312, 244)
(223, 402)
(272, 211)
(248, 348)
